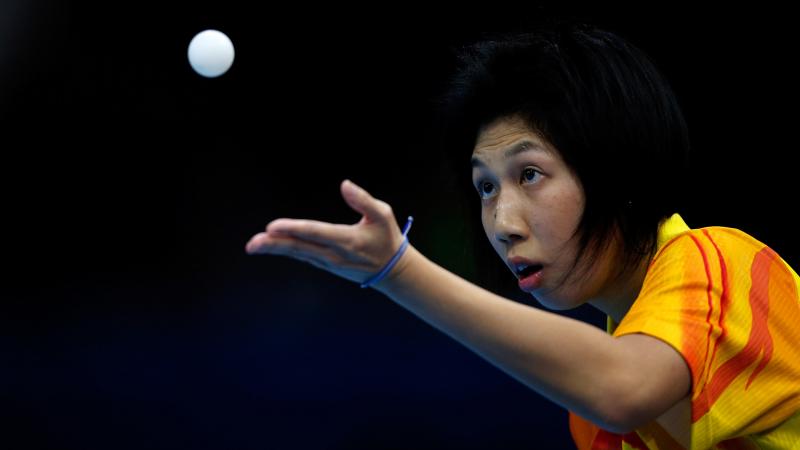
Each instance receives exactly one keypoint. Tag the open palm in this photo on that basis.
(354, 252)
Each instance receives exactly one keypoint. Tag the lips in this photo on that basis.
(532, 280)
(528, 271)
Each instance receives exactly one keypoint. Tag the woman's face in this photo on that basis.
(531, 205)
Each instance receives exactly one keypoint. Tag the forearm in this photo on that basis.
(568, 361)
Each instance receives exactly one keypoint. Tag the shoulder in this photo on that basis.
(717, 251)
(714, 273)
(709, 243)
(698, 261)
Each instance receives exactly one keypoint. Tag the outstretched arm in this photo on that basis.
(618, 383)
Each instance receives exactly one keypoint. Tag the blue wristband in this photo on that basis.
(379, 276)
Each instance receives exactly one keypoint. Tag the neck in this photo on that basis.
(617, 300)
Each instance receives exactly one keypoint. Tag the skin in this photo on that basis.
(531, 204)
(617, 383)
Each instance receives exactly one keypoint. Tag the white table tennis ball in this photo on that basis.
(211, 53)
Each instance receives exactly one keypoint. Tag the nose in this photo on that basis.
(509, 223)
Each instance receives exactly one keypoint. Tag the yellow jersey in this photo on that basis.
(730, 306)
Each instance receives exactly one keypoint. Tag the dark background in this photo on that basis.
(130, 316)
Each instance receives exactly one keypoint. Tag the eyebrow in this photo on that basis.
(510, 152)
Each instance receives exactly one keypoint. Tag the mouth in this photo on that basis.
(528, 270)
(528, 273)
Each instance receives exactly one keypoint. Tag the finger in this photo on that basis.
(361, 201)
(262, 242)
(286, 245)
(323, 233)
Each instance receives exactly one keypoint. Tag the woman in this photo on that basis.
(577, 147)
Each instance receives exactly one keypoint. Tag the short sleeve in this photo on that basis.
(729, 305)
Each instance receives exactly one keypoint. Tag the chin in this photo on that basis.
(556, 302)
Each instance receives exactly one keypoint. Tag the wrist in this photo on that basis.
(400, 275)
(383, 273)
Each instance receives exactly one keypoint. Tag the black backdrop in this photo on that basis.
(130, 316)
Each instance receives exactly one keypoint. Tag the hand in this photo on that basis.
(355, 252)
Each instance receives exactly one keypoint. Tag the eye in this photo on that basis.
(530, 175)
(485, 189)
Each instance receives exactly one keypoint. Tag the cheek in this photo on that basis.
(565, 210)
(589, 277)
(486, 222)
(488, 229)
(554, 230)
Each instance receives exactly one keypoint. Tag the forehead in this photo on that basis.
(504, 132)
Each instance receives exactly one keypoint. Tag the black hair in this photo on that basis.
(601, 102)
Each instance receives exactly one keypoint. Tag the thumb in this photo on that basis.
(361, 201)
